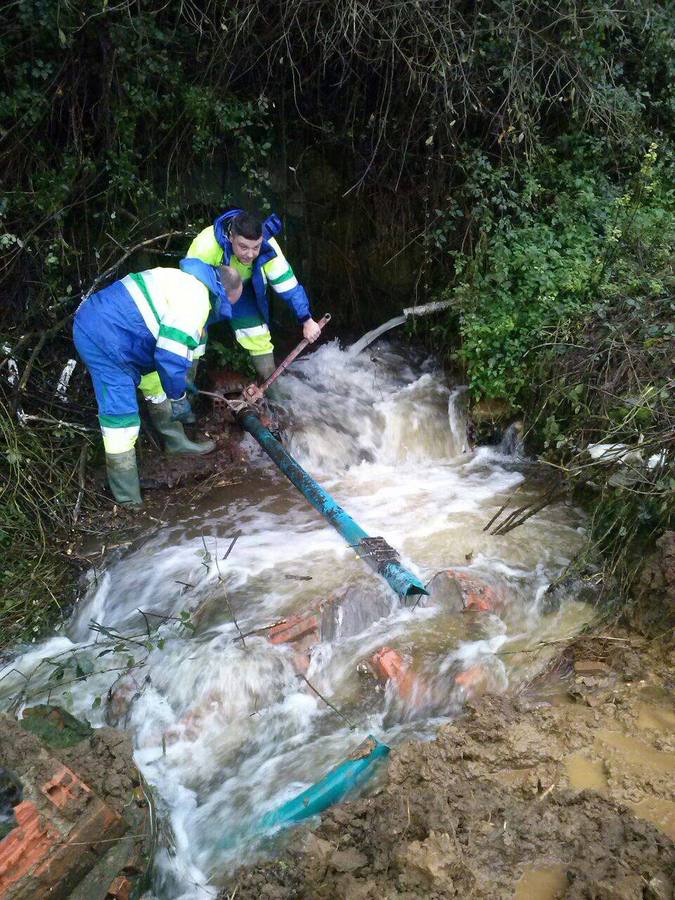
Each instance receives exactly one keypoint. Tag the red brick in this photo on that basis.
(476, 593)
(472, 678)
(294, 629)
(67, 793)
(46, 855)
(389, 665)
(120, 889)
(26, 845)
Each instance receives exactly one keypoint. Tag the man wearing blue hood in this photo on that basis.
(241, 240)
(142, 331)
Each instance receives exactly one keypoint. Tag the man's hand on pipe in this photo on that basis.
(310, 330)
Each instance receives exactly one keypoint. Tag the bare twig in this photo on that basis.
(227, 599)
(327, 702)
(81, 468)
(234, 541)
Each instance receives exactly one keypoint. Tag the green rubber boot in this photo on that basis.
(175, 439)
(192, 390)
(123, 477)
(264, 366)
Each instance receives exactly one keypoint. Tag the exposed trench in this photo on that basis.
(227, 729)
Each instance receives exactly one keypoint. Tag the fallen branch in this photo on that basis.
(59, 423)
(261, 630)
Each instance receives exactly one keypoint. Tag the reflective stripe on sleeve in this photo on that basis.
(142, 305)
(176, 334)
(286, 284)
(174, 347)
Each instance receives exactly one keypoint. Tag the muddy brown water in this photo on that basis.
(226, 731)
(500, 803)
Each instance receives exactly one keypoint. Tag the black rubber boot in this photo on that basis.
(175, 439)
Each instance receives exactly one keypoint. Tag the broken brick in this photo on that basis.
(26, 845)
(119, 889)
(389, 665)
(295, 629)
(472, 678)
(476, 593)
(55, 843)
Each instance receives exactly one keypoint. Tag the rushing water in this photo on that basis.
(226, 731)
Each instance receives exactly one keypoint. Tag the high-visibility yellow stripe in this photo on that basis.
(151, 388)
(257, 341)
(119, 440)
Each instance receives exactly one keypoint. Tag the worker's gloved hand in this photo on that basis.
(181, 411)
(310, 330)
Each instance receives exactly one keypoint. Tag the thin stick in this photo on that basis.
(327, 702)
(501, 510)
(263, 629)
(227, 599)
(81, 469)
(234, 541)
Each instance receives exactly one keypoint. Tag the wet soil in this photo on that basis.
(563, 794)
(103, 760)
(166, 482)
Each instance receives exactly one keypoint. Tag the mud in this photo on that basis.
(563, 794)
(81, 825)
(104, 759)
(166, 482)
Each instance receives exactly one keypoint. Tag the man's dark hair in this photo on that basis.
(247, 226)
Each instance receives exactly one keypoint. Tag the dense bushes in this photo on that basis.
(566, 308)
(491, 147)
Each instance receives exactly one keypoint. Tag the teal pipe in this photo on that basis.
(403, 582)
(332, 788)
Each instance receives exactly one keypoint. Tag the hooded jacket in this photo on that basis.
(153, 320)
(213, 245)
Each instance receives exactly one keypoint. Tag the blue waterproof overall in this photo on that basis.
(146, 322)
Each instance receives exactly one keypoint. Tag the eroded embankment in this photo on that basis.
(520, 798)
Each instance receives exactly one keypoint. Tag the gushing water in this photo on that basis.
(223, 726)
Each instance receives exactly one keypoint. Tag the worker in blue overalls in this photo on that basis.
(141, 331)
(242, 241)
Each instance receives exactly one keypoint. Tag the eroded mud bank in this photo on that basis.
(550, 795)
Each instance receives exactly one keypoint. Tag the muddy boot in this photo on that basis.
(123, 477)
(264, 366)
(175, 439)
(192, 390)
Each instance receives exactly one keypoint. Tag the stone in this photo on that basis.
(348, 860)
(55, 726)
(591, 667)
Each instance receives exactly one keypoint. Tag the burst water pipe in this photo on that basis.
(350, 774)
(375, 551)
